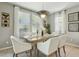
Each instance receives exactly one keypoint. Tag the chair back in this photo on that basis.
(19, 46)
(53, 44)
(48, 46)
(62, 40)
(15, 42)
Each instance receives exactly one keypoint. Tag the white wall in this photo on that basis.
(73, 35)
(51, 21)
(5, 32)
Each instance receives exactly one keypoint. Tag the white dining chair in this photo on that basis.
(19, 46)
(48, 47)
(62, 43)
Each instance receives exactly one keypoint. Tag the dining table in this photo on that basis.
(37, 39)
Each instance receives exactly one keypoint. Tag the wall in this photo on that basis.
(51, 21)
(6, 32)
(73, 35)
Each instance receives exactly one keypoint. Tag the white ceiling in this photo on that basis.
(51, 7)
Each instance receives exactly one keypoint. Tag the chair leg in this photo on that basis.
(59, 52)
(49, 56)
(64, 50)
(56, 53)
(37, 52)
(31, 53)
(15, 55)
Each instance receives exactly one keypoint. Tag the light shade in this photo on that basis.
(43, 13)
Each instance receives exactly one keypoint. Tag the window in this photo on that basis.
(60, 22)
(24, 23)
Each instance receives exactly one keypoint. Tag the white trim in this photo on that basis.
(5, 48)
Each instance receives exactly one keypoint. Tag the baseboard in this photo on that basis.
(5, 48)
(74, 45)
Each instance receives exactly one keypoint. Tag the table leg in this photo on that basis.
(36, 52)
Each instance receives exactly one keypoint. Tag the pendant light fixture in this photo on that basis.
(43, 13)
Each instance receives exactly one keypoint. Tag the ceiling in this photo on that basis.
(51, 7)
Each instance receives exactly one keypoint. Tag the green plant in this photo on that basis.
(47, 28)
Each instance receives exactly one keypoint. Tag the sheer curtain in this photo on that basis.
(60, 22)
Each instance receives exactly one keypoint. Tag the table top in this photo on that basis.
(37, 39)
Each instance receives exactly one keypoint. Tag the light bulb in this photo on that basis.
(43, 15)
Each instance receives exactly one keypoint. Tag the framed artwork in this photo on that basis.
(73, 17)
(73, 27)
(5, 19)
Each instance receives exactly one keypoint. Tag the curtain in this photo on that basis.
(60, 22)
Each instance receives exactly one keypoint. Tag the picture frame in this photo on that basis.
(5, 19)
(73, 17)
(73, 27)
